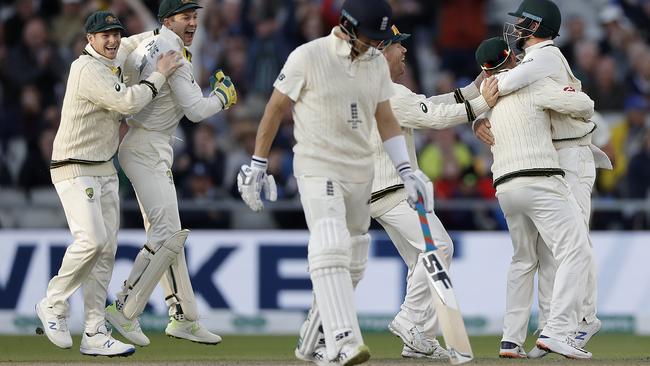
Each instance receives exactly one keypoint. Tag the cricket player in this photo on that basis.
(339, 86)
(415, 324)
(146, 155)
(539, 23)
(86, 181)
(536, 199)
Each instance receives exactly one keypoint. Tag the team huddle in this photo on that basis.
(342, 90)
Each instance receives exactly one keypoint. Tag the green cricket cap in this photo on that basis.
(101, 21)
(492, 53)
(168, 8)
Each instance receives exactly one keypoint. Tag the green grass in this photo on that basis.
(608, 349)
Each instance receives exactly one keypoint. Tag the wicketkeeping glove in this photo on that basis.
(417, 182)
(252, 180)
(223, 88)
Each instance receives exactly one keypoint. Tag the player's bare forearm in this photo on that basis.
(268, 128)
(387, 124)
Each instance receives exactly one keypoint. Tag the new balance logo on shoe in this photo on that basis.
(52, 325)
(108, 343)
(581, 335)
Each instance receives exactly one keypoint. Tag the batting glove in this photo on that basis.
(252, 180)
(223, 88)
(416, 182)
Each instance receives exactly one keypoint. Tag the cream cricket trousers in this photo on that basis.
(146, 157)
(403, 227)
(91, 206)
(544, 206)
(336, 213)
(580, 173)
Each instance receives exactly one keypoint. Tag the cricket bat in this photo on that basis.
(447, 310)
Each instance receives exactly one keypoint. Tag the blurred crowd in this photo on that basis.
(606, 42)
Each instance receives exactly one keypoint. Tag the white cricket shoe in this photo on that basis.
(511, 350)
(130, 329)
(191, 330)
(55, 326)
(566, 348)
(411, 336)
(319, 355)
(537, 352)
(585, 332)
(103, 344)
(439, 352)
(352, 354)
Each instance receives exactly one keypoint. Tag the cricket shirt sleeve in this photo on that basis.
(563, 99)
(189, 96)
(292, 77)
(534, 67)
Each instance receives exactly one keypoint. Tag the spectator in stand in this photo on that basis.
(35, 61)
(627, 137)
(35, 172)
(66, 25)
(638, 181)
(639, 175)
(462, 27)
(639, 76)
(23, 11)
(576, 28)
(607, 91)
(586, 56)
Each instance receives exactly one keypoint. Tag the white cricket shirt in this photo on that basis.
(179, 96)
(94, 103)
(542, 60)
(334, 111)
(414, 111)
(522, 128)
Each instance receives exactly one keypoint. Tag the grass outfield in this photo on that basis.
(608, 349)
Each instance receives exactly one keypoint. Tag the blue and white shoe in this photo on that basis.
(585, 332)
(103, 344)
(566, 348)
(511, 350)
(55, 326)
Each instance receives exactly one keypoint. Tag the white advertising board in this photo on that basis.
(257, 281)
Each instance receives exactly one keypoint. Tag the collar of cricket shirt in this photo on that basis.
(172, 37)
(90, 51)
(539, 45)
(341, 46)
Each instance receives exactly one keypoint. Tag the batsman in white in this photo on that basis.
(146, 155)
(536, 200)
(339, 86)
(415, 324)
(86, 181)
(538, 24)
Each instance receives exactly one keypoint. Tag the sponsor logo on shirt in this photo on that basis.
(424, 107)
(281, 77)
(569, 89)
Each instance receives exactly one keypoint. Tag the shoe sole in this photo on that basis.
(123, 354)
(548, 349)
(42, 330)
(405, 340)
(510, 355)
(361, 357)
(123, 332)
(191, 340)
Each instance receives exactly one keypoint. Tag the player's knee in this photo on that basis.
(329, 244)
(359, 258)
